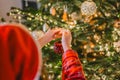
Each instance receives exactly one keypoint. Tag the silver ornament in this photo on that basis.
(88, 8)
(45, 27)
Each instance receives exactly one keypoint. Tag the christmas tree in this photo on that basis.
(95, 27)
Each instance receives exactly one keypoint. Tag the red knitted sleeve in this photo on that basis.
(71, 66)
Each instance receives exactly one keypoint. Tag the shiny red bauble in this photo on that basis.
(58, 49)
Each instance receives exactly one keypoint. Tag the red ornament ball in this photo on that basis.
(58, 49)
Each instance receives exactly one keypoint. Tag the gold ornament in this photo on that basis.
(92, 45)
(52, 11)
(117, 24)
(65, 15)
(88, 8)
(85, 46)
(100, 70)
(97, 37)
(101, 27)
(75, 16)
(101, 53)
(94, 54)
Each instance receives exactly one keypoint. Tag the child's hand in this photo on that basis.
(66, 40)
(53, 33)
(50, 35)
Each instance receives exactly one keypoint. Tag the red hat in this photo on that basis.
(19, 54)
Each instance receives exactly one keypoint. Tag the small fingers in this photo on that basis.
(57, 33)
(65, 31)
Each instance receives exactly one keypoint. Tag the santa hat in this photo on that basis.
(20, 58)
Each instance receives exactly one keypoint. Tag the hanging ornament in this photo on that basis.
(96, 37)
(101, 27)
(65, 15)
(58, 49)
(88, 8)
(117, 24)
(92, 45)
(92, 22)
(52, 11)
(75, 16)
(45, 27)
(26, 3)
(37, 34)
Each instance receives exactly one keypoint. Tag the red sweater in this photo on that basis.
(71, 66)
